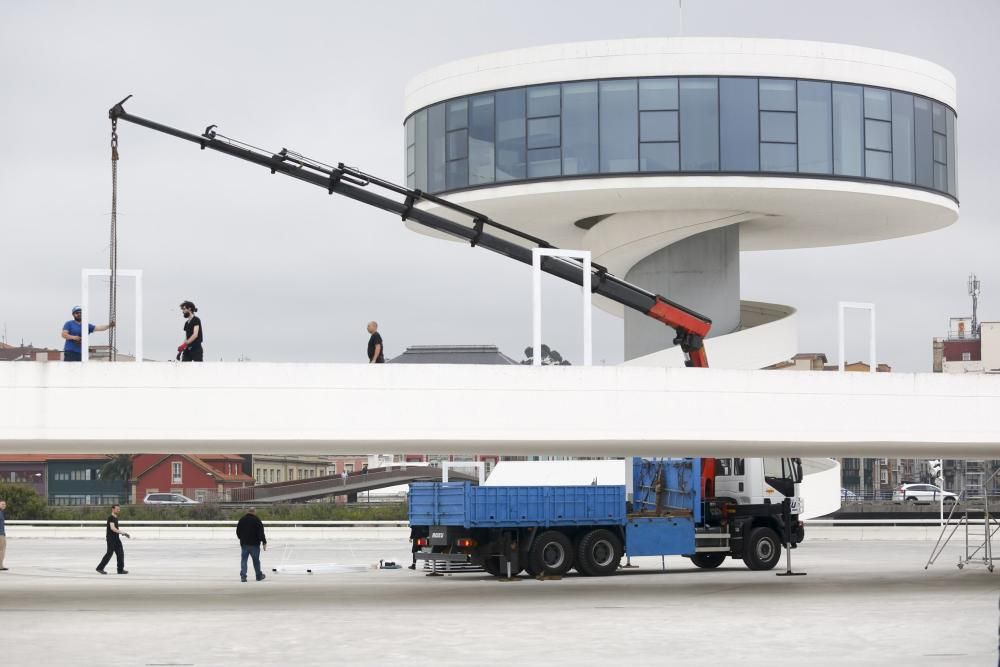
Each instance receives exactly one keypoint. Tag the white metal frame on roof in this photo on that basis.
(86, 275)
(536, 300)
(870, 307)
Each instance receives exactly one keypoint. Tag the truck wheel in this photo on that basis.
(708, 560)
(763, 550)
(551, 554)
(599, 553)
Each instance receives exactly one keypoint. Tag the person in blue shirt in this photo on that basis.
(72, 331)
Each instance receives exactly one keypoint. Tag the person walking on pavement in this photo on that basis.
(194, 335)
(416, 532)
(113, 536)
(376, 353)
(250, 531)
(72, 332)
(3, 533)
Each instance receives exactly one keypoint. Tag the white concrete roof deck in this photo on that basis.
(681, 56)
(337, 408)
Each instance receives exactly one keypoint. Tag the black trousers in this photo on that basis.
(193, 353)
(118, 550)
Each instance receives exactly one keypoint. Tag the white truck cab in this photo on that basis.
(759, 481)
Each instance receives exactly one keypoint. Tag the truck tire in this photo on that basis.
(762, 550)
(599, 553)
(708, 560)
(551, 554)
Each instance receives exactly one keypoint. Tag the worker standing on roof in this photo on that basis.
(376, 353)
(72, 332)
(190, 349)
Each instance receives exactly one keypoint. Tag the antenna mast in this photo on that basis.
(974, 293)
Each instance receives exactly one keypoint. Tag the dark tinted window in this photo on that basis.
(457, 115)
(699, 113)
(659, 157)
(923, 153)
(658, 126)
(458, 144)
(777, 126)
(579, 128)
(902, 137)
(815, 118)
(543, 162)
(952, 153)
(878, 164)
(657, 94)
(543, 132)
(877, 103)
(481, 154)
(420, 149)
(738, 124)
(510, 145)
(543, 101)
(436, 148)
(878, 135)
(777, 157)
(848, 133)
(777, 95)
(619, 126)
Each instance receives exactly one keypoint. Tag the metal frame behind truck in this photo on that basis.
(548, 530)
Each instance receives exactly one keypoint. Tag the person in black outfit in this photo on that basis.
(376, 353)
(114, 540)
(415, 533)
(190, 349)
(250, 530)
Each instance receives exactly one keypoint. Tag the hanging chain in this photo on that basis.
(113, 288)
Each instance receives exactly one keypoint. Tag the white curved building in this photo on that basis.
(667, 157)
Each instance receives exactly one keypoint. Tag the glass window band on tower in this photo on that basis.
(678, 125)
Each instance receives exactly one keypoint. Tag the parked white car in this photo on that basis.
(922, 493)
(168, 499)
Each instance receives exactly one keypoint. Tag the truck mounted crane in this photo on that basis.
(690, 327)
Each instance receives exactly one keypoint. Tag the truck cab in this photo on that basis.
(759, 481)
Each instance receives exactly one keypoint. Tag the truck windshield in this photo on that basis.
(783, 468)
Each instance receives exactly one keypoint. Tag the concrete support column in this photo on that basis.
(701, 272)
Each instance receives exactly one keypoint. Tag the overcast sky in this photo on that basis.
(283, 272)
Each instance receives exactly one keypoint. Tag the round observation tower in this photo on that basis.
(667, 157)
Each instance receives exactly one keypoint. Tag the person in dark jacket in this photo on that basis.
(250, 530)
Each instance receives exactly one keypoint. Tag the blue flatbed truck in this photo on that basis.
(548, 530)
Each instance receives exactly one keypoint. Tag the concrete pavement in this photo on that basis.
(183, 604)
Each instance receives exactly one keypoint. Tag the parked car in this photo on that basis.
(848, 496)
(922, 493)
(168, 499)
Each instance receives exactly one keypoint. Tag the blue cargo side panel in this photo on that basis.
(543, 506)
(439, 504)
(461, 504)
(656, 536)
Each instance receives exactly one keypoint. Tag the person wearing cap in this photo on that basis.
(250, 531)
(72, 332)
(190, 349)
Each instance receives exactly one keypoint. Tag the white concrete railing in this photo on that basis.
(559, 410)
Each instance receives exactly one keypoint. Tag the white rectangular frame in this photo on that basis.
(855, 305)
(86, 275)
(536, 300)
